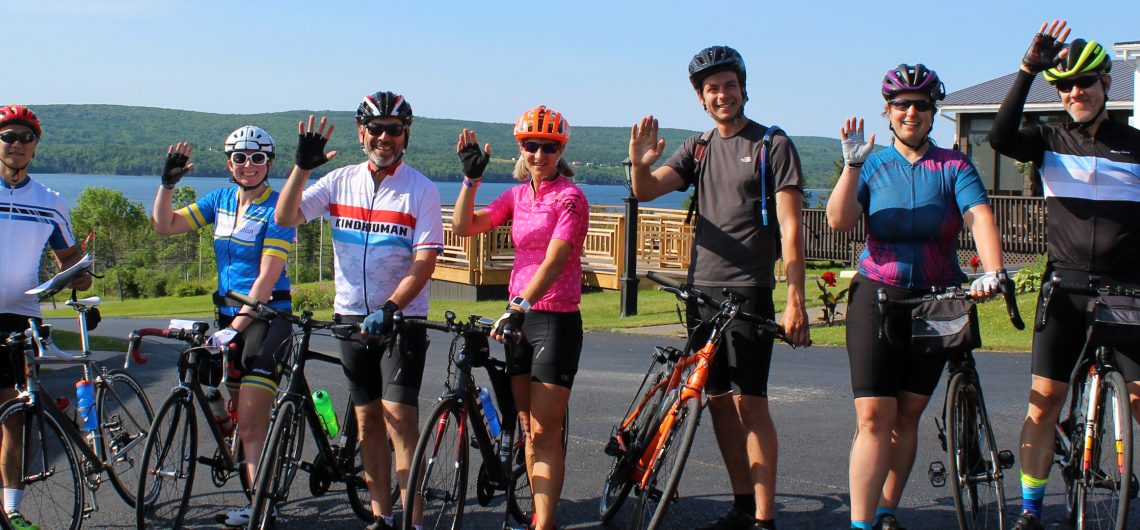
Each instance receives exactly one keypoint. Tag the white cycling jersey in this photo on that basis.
(376, 230)
(31, 216)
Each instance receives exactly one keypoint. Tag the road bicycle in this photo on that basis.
(977, 467)
(61, 462)
(336, 460)
(651, 444)
(1094, 442)
(440, 465)
(170, 457)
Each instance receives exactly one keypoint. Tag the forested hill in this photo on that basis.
(121, 140)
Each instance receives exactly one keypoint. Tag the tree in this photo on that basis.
(119, 224)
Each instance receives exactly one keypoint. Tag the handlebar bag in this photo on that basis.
(945, 327)
(1115, 320)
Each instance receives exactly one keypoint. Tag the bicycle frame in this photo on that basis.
(1093, 369)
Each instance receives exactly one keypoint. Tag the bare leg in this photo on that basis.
(762, 451)
(870, 454)
(403, 426)
(548, 467)
(904, 445)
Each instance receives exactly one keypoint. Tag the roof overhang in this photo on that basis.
(1129, 51)
(1029, 107)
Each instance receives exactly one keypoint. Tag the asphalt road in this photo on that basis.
(811, 404)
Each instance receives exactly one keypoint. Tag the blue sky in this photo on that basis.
(810, 63)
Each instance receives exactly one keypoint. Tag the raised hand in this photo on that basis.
(644, 146)
(474, 160)
(855, 150)
(1045, 49)
(177, 164)
(311, 143)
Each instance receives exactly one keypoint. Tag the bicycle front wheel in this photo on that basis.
(169, 458)
(619, 480)
(665, 475)
(975, 474)
(125, 416)
(53, 492)
(1105, 487)
(273, 467)
(438, 478)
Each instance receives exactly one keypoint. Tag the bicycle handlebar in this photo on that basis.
(305, 321)
(733, 300)
(1008, 291)
(192, 337)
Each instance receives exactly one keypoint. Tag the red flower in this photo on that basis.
(975, 262)
(828, 278)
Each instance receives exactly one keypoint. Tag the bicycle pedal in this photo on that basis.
(1005, 459)
(937, 474)
(653, 493)
(615, 446)
(307, 467)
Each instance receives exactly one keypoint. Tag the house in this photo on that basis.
(974, 108)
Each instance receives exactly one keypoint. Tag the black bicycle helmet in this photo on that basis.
(712, 60)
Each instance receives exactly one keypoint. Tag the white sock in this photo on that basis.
(12, 498)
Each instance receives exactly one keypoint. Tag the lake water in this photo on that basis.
(141, 189)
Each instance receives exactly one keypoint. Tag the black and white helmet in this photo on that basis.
(250, 138)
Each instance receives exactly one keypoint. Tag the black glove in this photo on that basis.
(510, 324)
(381, 322)
(175, 169)
(311, 150)
(1042, 53)
(474, 161)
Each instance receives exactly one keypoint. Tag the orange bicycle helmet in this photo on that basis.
(542, 123)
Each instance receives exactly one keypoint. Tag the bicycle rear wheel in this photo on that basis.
(1102, 502)
(169, 459)
(619, 481)
(665, 476)
(273, 467)
(438, 478)
(125, 416)
(53, 492)
(975, 475)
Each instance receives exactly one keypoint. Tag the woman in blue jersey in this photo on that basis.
(914, 198)
(251, 250)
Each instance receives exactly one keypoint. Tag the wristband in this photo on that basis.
(472, 183)
(166, 186)
(855, 165)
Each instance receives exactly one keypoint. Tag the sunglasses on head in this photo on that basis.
(393, 129)
(533, 147)
(920, 105)
(11, 137)
(257, 159)
(1066, 85)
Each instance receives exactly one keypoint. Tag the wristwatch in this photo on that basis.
(521, 302)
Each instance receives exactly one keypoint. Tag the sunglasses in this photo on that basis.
(11, 137)
(1086, 82)
(920, 105)
(257, 159)
(533, 147)
(394, 130)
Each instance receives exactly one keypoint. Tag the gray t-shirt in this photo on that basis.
(733, 248)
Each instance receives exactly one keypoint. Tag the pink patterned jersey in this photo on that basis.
(558, 211)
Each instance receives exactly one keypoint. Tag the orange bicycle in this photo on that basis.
(652, 443)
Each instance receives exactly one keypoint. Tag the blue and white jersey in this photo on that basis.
(31, 216)
(240, 243)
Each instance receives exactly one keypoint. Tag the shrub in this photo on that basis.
(152, 285)
(1029, 277)
(194, 288)
(313, 296)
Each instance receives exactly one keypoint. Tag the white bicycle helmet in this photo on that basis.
(250, 138)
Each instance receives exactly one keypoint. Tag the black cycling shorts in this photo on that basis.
(375, 372)
(878, 367)
(742, 362)
(12, 361)
(263, 348)
(1058, 345)
(550, 350)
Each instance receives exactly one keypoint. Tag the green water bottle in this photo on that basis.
(326, 412)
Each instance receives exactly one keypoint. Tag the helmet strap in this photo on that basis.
(921, 143)
(15, 172)
(250, 188)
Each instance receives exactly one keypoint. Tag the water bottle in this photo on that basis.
(489, 411)
(85, 404)
(218, 410)
(322, 401)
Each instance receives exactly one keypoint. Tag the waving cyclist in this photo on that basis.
(387, 231)
(1090, 172)
(31, 217)
(251, 250)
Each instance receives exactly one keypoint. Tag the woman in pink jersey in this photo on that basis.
(550, 217)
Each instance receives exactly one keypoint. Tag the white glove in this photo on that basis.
(986, 283)
(855, 148)
(224, 337)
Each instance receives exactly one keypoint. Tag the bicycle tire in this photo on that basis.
(1071, 471)
(271, 466)
(125, 416)
(520, 498)
(619, 481)
(669, 466)
(45, 448)
(170, 457)
(979, 495)
(1104, 503)
(442, 447)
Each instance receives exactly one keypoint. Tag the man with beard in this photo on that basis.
(387, 231)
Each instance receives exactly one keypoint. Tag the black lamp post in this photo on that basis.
(629, 273)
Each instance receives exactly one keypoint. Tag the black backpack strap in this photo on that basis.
(698, 155)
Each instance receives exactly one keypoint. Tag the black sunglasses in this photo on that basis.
(257, 159)
(533, 147)
(393, 130)
(1066, 85)
(11, 137)
(920, 105)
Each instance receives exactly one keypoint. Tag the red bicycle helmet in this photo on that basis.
(19, 114)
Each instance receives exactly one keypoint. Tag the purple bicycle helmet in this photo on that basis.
(918, 78)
